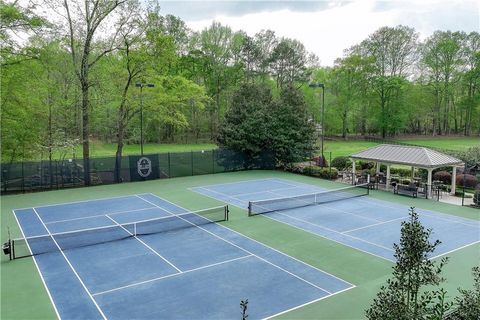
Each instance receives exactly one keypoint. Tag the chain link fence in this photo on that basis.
(31, 176)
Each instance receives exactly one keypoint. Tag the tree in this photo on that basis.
(442, 54)
(404, 296)
(291, 129)
(394, 51)
(288, 62)
(245, 127)
(350, 80)
(84, 20)
(15, 19)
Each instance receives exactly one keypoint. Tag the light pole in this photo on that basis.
(321, 85)
(141, 86)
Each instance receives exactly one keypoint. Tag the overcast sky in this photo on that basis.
(326, 28)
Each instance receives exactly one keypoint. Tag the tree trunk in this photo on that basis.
(85, 134)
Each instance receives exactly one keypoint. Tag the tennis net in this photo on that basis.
(30, 246)
(285, 203)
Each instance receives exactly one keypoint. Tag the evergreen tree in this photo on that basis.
(291, 131)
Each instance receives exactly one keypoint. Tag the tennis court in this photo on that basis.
(141, 256)
(347, 216)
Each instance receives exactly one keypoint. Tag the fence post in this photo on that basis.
(23, 178)
(213, 160)
(5, 181)
(191, 160)
(169, 169)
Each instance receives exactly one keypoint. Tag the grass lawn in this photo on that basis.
(100, 149)
(336, 148)
(346, 148)
(457, 143)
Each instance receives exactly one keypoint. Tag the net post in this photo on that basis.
(135, 229)
(10, 246)
(227, 211)
(249, 208)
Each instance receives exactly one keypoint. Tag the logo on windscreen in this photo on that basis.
(144, 167)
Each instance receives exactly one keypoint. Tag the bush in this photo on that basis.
(406, 181)
(443, 176)
(325, 173)
(470, 181)
(476, 197)
(401, 172)
(366, 165)
(460, 194)
(341, 163)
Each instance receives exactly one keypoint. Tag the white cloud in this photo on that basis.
(328, 32)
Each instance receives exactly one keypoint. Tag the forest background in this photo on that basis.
(69, 77)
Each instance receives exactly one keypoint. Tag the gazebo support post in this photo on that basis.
(454, 180)
(413, 173)
(429, 182)
(387, 185)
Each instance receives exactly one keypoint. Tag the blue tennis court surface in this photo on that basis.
(195, 271)
(363, 223)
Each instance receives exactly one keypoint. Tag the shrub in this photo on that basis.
(341, 163)
(325, 173)
(443, 176)
(476, 197)
(366, 165)
(311, 170)
(401, 172)
(406, 181)
(470, 181)
(460, 194)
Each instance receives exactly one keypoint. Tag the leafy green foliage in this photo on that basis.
(341, 163)
(405, 296)
(324, 173)
(291, 132)
(256, 122)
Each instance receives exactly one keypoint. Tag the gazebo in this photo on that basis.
(415, 157)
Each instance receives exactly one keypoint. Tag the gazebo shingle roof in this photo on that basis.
(408, 155)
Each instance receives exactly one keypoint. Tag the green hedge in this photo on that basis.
(325, 173)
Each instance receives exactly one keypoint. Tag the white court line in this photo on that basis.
(220, 193)
(318, 235)
(171, 275)
(307, 303)
(100, 215)
(462, 247)
(80, 201)
(332, 230)
(375, 224)
(146, 245)
(235, 182)
(36, 265)
(343, 211)
(264, 245)
(243, 249)
(429, 213)
(71, 266)
(270, 191)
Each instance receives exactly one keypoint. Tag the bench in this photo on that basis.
(409, 190)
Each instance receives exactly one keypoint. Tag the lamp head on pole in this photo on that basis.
(316, 85)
